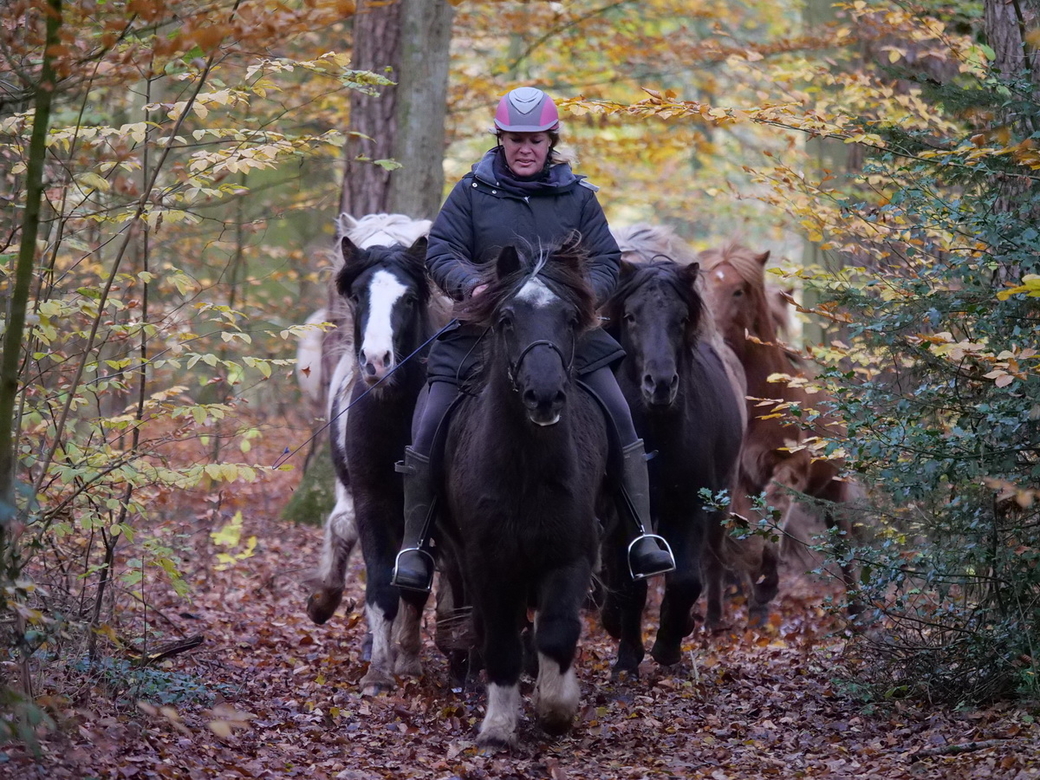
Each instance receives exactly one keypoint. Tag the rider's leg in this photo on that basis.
(647, 555)
(414, 566)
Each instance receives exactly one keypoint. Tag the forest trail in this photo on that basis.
(285, 697)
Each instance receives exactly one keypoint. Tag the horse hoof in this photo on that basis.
(758, 617)
(322, 604)
(669, 655)
(720, 626)
(621, 672)
(375, 683)
(555, 724)
(407, 666)
(488, 746)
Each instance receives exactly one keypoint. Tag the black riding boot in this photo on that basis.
(648, 554)
(413, 568)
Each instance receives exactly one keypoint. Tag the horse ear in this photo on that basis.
(626, 270)
(763, 258)
(418, 247)
(508, 262)
(345, 223)
(349, 251)
(690, 272)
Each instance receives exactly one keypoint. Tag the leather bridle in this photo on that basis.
(514, 365)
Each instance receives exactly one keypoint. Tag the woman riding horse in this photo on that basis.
(521, 190)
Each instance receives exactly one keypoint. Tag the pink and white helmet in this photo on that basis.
(526, 110)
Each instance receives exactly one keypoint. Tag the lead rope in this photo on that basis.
(287, 453)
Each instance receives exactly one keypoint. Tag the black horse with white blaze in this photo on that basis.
(388, 293)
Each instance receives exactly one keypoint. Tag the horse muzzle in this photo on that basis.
(544, 409)
(375, 369)
(660, 391)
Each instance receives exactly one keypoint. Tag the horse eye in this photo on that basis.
(630, 318)
(355, 298)
(409, 300)
(505, 322)
(738, 293)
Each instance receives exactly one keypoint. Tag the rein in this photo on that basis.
(286, 454)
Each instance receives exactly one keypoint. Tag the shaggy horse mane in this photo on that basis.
(561, 268)
(655, 250)
(381, 229)
(749, 266)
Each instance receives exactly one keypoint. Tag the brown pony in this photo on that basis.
(777, 457)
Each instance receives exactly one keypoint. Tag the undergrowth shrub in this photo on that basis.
(939, 383)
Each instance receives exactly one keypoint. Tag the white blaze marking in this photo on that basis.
(536, 293)
(378, 339)
(719, 274)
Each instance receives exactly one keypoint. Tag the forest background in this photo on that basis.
(171, 175)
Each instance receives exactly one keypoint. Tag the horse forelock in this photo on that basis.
(559, 271)
(408, 267)
(665, 272)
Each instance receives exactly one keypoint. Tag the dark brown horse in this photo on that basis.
(687, 404)
(525, 462)
(778, 455)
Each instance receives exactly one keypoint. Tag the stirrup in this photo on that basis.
(413, 585)
(663, 546)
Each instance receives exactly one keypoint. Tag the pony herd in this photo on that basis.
(526, 522)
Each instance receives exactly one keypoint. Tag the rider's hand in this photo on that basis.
(478, 291)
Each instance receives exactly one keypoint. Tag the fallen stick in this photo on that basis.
(952, 750)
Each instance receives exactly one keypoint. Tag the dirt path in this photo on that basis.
(286, 704)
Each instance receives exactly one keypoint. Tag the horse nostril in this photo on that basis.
(675, 381)
(530, 399)
(387, 357)
(559, 400)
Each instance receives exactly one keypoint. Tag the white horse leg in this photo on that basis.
(503, 711)
(407, 640)
(556, 696)
(380, 675)
(341, 537)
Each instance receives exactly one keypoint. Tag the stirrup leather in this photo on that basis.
(662, 545)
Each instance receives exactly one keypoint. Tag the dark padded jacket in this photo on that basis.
(482, 215)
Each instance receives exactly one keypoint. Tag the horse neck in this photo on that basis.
(760, 361)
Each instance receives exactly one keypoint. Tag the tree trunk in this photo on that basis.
(408, 41)
(1007, 25)
(421, 107)
(12, 344)
(372, 122)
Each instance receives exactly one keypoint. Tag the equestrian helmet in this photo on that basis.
(526, 110)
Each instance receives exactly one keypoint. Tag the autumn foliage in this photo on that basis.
(189, 188)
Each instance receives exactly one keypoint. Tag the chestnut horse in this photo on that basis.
(777, 457)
